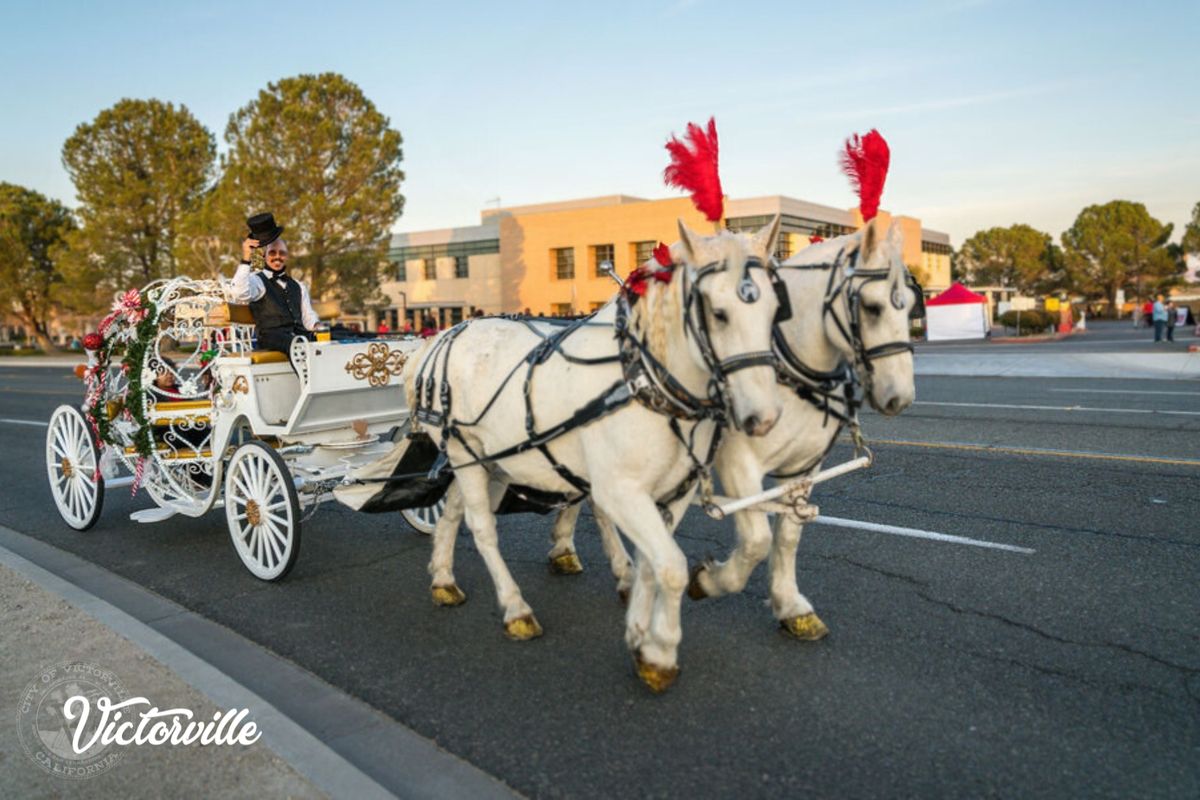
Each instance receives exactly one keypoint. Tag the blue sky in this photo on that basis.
(997, 111)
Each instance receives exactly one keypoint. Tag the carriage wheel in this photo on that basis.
(424, 520)
(262, 510)
(71, 459)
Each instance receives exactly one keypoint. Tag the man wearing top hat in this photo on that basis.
(280, 304)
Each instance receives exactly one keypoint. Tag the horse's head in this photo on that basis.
(881, 299)
(729, 307)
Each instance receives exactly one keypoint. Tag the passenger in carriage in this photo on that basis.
(280, 304)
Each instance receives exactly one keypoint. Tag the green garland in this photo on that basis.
(133, 402)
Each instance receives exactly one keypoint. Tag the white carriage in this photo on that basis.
(201, 420)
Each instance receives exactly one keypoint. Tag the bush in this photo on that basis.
(1032, 322)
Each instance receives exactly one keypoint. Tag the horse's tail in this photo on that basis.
(411, 368)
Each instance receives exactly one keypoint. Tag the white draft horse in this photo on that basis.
(852, 299)
(626, 413)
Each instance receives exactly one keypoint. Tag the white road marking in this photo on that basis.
(1025, 407)
(26, 422)
(917, 533)
(1035, 451)
(1124, 391)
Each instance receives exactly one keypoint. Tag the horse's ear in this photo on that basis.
(767, 236)
(688, 239)
(871, 239)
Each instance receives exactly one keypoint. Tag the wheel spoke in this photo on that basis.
(76, 501)
(278, 504)
(278, 520)
(273, 541)
(245, 478)
(246, 534)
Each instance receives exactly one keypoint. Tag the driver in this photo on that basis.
(280, 304)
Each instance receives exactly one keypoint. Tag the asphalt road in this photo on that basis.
(950, 671)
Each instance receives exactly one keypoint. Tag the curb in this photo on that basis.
(340, 744)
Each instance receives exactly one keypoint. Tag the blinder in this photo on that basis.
(918, 309)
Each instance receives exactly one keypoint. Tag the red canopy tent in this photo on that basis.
(957, 313)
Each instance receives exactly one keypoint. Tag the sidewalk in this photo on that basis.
(1157, 366)
(40, 630)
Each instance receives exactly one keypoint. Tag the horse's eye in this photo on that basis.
(720, 316)
(873, 310)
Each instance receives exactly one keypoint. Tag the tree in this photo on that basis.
(1191, 234)
(1017, 256)
(138, 168)
(315, 152)
(32, 226)
(1118, 245)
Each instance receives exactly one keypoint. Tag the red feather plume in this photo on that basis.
(816, 239)
(865, 162)
(694, 169)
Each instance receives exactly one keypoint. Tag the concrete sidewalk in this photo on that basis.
(1154, 366)
(40, 630)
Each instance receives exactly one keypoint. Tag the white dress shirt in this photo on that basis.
(247, 287)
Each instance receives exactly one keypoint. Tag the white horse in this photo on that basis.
(852, 298)
(626, 413)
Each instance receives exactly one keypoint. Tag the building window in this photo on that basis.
(430, 269)
(401, 271)
(461, 269)
(600, 254)
(456, 316)
(562, 309)
(564, 263)
(643, 252)
(783, 246)
(596, 307)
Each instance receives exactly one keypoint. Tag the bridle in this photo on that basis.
(844, 290)
(718, 402)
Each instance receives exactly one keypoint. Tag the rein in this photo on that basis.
(643, 378)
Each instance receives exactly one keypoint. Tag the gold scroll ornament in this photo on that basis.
(377, 365)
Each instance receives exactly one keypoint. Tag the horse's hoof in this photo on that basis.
(659, 679)
(806, 627)
(695, 590)
(449, 595)
(624, 595)
(566, 564)
(522, 629)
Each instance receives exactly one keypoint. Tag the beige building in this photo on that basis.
(546, 258)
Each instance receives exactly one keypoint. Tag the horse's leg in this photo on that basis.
(519, 622)
(657, 650)
(441, 563)
(563, 558)
(614, 549)
(641, 603)
(712, 579)
(791, 608)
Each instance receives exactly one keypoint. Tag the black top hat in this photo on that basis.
(264, 229)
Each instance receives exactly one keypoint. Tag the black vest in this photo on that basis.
(277, 313)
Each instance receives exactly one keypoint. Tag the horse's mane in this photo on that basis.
(822, 252)
(652, 313)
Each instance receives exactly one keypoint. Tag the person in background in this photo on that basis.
(1158, 316)
(428, 328)
(1171, 318)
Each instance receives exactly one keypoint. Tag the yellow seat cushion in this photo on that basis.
(268, 357)
(182, 405)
